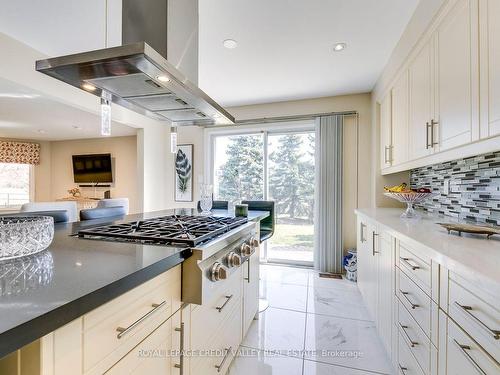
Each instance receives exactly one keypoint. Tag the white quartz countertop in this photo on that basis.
(474, 255)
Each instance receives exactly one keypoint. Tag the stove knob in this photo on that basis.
(233, 259)
(246, 250)
(217, 272)
(254, 242)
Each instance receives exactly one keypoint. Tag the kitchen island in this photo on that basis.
(76, 276)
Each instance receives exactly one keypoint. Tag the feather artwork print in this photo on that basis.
(183, 169)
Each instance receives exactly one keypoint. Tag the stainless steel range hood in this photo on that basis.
(139, 78)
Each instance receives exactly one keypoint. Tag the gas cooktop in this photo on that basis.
(166, 230)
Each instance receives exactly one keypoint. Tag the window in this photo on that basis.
(239, 167)
(14, 184)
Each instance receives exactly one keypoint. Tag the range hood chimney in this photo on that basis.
(137, 75)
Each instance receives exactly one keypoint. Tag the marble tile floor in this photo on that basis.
(313, 326)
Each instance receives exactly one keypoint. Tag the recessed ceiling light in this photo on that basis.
(76, 127)
(230, 43)
(88, 87)
(339, 47)
(163, 78)
(41, 131)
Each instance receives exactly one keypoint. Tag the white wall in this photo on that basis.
(422, 17)
(154, 178)
(154, 173)
(123, 151)
(61, 27)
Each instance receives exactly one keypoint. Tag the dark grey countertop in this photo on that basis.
(41, 293)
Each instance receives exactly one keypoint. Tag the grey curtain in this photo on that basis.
(329, 139)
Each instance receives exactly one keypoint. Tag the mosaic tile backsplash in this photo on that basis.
(474, 188)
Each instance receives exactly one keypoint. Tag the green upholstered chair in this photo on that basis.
(268, 224)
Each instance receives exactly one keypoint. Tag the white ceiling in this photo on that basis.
(26, 114)
(285, 47)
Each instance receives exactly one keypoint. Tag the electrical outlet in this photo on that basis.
(446, 186)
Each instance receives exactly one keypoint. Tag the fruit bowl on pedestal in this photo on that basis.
(410, 198)
(21, 236)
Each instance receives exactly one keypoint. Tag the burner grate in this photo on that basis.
(167, 230)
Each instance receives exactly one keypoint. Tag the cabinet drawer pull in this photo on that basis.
(405, 295)
(403, 370)
(228, 298)
(123, 331)
(180, 365)
(467, 309)
(373, 243)
(407, 336)
(407, 262)
(464, 349)
(220, 365)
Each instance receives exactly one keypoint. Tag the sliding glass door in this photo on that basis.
(273, 165)
(290, 170)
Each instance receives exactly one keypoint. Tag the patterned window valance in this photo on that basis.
(19, 152)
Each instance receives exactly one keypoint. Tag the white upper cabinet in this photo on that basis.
(421, 96)
(447, 95)
(400, 120)
(386, 131)
(457, 75)
(60, 27)
(489, 39)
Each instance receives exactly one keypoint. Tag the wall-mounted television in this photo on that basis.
(92, 169)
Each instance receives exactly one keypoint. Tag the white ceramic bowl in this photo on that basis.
(21, 236)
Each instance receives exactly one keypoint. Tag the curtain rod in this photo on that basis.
(267, 120)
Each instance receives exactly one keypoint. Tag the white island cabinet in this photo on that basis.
(148, 330)
(436, 306)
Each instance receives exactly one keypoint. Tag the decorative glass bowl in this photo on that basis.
(410, 199)
(21, 236)
(24, 274)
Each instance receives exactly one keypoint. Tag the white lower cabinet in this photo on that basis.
(151, 356)
(466, 356)
(135, 333)
(148, 330)
(385, 288)
(250, 290)
(431, 320)
(368, 265)
(407, 364)
(376, 276)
